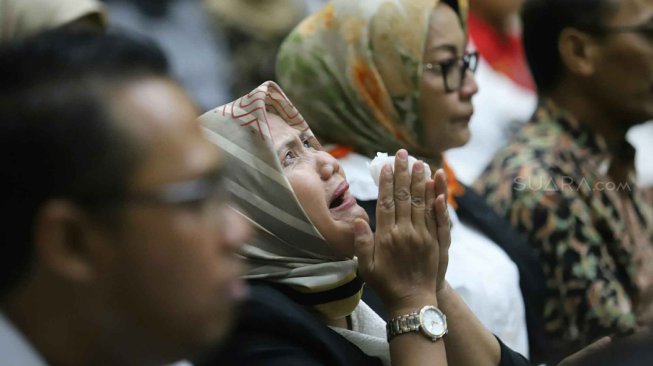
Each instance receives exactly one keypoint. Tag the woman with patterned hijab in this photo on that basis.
(314, 248)
(379, 75)
(22, 18)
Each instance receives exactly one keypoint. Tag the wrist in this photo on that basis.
(410, 304)
(428, 321)
(444, 291)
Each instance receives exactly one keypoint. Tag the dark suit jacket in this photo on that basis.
(274, 330)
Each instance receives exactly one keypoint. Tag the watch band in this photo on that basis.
(413, 322)
(403, 324)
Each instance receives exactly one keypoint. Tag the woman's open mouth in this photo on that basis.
(337, 202)
(341, 198)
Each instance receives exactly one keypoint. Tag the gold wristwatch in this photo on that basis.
(429, 321)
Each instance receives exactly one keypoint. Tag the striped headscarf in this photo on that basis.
(21, 18)
(288, 250)
(354, 70)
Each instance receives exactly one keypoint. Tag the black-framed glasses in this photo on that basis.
(453, 71)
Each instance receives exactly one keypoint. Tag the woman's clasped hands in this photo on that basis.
(405, 261)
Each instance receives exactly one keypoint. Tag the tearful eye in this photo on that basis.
(288, 158)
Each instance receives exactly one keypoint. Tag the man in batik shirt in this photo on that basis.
(566, 181)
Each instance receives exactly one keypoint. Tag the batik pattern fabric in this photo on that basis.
(287, 249)
(594, 237)
(354, 70)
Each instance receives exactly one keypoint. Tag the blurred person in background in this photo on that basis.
(566, 180)
(198, 54)
(495, 31)
(118, 247)
(253, 31)
(22, 18)
(506, 97)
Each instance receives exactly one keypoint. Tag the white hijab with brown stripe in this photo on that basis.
(288, 249)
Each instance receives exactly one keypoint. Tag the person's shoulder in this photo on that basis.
(522, 159)
(533, 145)
(272, 329)
(521, 177)
(268, 305)
(268, 295)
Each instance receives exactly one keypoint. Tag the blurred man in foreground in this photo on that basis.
(118, 243)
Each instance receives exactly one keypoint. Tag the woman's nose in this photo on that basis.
(327, 165)
(469, 87)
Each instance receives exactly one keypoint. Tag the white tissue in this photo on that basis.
(382, 159)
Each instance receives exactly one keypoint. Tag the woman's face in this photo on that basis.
(319, 184)
(446, 115)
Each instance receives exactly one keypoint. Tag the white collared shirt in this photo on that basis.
(15, 349)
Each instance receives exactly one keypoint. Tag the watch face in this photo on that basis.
(433, 322)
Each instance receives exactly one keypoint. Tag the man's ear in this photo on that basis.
(578, 51)
(66, 241)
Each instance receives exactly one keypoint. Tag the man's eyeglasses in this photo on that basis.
(196, 193)
(202, 195)
(453, 71)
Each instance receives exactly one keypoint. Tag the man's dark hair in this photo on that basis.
(57, 135)
(543, 21)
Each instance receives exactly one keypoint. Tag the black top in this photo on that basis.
(274, 330)
(474, 211)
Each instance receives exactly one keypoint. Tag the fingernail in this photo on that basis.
(419, 166)
(402, 154)
(387, 170)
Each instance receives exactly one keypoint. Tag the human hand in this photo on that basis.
(443, 227)
(406, 259)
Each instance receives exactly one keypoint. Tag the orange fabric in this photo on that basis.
(340, 151)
